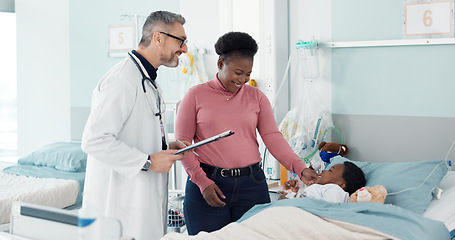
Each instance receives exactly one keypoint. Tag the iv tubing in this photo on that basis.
(445, 161)
(282, 82)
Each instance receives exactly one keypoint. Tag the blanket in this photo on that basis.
(393, 220)
(373, 220)
(287, 223)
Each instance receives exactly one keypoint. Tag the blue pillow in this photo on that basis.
(63, 156)
(406, 182)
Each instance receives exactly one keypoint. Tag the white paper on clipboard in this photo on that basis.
(205, 141)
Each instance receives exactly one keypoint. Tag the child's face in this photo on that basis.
(333, 175)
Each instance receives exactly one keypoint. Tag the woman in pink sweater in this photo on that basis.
(225, 177)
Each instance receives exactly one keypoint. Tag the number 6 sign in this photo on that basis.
(428, 18)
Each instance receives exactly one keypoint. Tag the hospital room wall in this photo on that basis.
(62, 53)
(390, 103)
(43, 73)
(7, 6)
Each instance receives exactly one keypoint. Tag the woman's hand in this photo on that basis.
(308, 176)
(210, 195)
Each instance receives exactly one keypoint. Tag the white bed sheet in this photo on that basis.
(287, 223)
(444, 209)
(50, 192)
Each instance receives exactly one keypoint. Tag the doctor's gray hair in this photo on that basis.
(158, 21)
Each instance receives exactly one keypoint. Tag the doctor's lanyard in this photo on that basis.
(158, 101)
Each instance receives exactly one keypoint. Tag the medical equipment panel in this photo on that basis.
(47, 223)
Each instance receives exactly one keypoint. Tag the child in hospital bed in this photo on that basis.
(333, 185)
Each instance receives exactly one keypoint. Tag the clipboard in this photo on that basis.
(205, 141)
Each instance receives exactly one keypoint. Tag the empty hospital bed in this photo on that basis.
(51, 176)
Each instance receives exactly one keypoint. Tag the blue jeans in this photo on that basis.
(241, 193)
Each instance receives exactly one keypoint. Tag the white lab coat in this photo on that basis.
(121, 131)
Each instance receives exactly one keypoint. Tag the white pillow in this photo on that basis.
(444, 209)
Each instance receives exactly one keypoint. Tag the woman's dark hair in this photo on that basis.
(236, 43)
(354, 177)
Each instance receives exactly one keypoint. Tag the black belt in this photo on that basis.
(231, 172)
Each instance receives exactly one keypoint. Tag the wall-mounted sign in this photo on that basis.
(121, 40)
(428, 18)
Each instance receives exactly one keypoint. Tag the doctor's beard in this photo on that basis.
(172, 61)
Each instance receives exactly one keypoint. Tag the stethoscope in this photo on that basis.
(158, 96)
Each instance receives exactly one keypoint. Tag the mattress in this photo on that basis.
(50, 192)
(443, 209)
(46, 172)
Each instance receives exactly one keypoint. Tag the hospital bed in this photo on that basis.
(50, 176)
(411, 210)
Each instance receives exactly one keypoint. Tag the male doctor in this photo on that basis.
(125, 136)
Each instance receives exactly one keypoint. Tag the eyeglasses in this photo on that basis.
(184, 41)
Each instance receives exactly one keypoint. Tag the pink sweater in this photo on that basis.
(205, 112)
